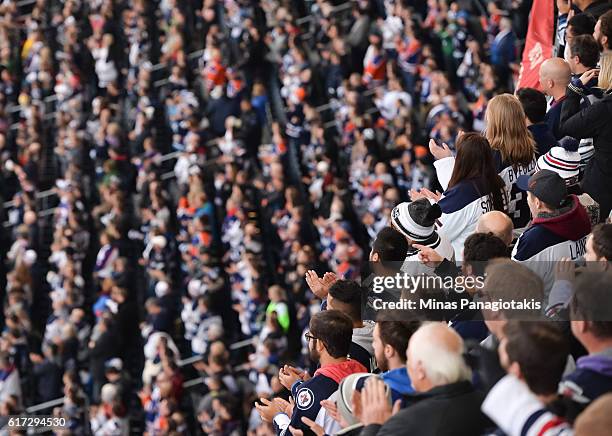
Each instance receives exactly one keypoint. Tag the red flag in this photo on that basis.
(539, 43)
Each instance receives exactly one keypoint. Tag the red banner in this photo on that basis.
(539, 43)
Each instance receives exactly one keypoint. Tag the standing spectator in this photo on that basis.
(581, 123)
(559, 227)
(534, 105)
(328, 344)
(513, 151)
(591, 326)
(474, 189)
(555, 75)
(603, 31)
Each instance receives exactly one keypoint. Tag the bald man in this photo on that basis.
(497, 223)
(555, 75)
(449, 404)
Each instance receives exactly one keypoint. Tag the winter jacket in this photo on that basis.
(592, 121)
(553, 236)
(448, 410)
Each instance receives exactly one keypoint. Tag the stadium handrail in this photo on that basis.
(181, 363)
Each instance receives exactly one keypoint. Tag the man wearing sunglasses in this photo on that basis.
(329, 342)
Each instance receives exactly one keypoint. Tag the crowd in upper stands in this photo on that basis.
(196, 194)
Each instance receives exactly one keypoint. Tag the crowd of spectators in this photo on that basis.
(192, 191)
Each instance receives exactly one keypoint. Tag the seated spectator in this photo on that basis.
(540, 366)
(390, 341)
(536, 375)
(500, 285)
(446, 402)
(498, 224)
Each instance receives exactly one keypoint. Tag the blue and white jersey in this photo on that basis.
(549, 239)
(462, 205)
(517, 207)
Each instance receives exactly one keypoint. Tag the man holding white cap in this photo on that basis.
(416, 220)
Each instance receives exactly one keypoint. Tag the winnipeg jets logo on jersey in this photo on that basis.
(305, 399)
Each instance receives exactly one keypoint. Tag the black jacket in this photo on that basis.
(450, 410)
(598, 8)
(592, 121)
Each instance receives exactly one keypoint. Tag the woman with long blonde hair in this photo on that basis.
(507, 132)
(593, 121)
(514, 153)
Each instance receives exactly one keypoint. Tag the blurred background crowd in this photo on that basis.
(182, 181)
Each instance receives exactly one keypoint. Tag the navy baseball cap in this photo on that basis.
(546, 185)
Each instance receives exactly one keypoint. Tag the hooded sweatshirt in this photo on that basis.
(309, 394)
(398, 381)
(552, 236)
(591, 379)
(361, 346)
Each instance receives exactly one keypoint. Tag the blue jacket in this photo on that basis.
(399, 383)
(503, 50)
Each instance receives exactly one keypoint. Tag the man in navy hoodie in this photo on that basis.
(559, 227)
(591, 319)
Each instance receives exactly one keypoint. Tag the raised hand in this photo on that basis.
(439, 151)
(320, 285)
(428, 256)
(565, 269)
(588, 75)
(375, 403)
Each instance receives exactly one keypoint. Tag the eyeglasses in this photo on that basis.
(308, 337)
